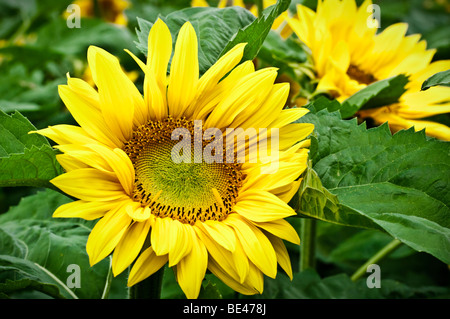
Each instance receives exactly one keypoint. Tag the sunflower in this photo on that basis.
(279, 24)
(195, 214)
(348, 55)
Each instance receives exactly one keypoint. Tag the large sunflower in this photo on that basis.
(226, 216)
(348, 55)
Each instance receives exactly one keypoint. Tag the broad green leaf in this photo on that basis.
(18, 275)
(214, 28)
(316, 201)
(209, 291)
(377, 94)
(25, 159)
(441, 78)
(44, 247)
(255, 33)
(399, 182)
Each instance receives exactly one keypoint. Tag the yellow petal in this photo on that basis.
(106, 234)
(256, 245)
(282, 254)
(85, 90)
(70, 163)
(129, 246)
(67, 134)
(191, 269)
(117, 93)
(137, 212)
(120, 163)
(261, 206)
(84, 209)
(209, 102)
(159, 52)
(286, 192)
(89, 117)
(216, 72)
(249, 92)
(270, 109)
(184, 71)
(160, 234)
(241, 262)
(146, 265)
(219, 272)
(293, 133)
(221, 233)
(89, 184)
(280, 228)
(180, 241)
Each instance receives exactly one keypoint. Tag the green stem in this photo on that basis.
(308, 243)
(386, 250)
(108, 282)
(149, 288)
(260, 6)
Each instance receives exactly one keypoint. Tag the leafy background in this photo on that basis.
(364, 185)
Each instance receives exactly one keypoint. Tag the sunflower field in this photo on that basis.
(242, 150)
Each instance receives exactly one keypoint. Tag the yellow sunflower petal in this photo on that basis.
(262, 206)
(89, 184)
(106, 234)
(257, 247)
(89, 117)
(184, 71)
(160, 233)
(221, 233)
(180, 241)
(120, 163)
(280, 228)
(129, 246)
(118, 94)
(191, 269)
(84, 209)
(146, 265)
(282, 254)
(159, 52)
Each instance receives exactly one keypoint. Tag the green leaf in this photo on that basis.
(400, 182)
(441, 78)
(25, 159)
(255, 33)
(316, 201)
(377, 94)
(43, 247)
(214, 28)
(18, 275)
(210, 291)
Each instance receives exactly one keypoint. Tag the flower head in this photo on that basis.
(348, 55)
(156, 206)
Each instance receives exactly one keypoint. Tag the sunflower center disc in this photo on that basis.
(186, 191)
(359, 75)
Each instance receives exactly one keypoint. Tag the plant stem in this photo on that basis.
(386, 250)
(260, 6)
(308, 243)
(149, 288)
(108, 282)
